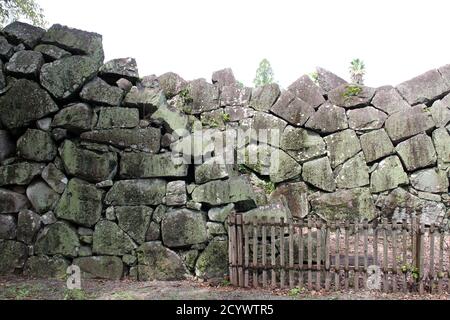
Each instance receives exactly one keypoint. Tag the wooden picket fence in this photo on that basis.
(405, 256)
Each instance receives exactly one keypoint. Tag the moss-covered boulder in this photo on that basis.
(134, 221)
(145, 165)
(344, 204)
(8, 227)
(318, 173)
(213, 261)
(45, 267)
(110, 117)
(12, 202)
(21, 173)
(110, 240)
(90, 165)
(20, 32)
(376, 144)
(115, 69)
(36, 145)
(341, 146)
(137, 192)
(417, 152)
(28, 225)
(147, 140)
(388, 175)
(76, 117)
(55, 178)
(80, 203)
(328, 119)
(42, 197)
(13, 256)
(353, 173)
(302, 144)
(100, 267)
(98, 91)
(58, 238)
(24, 103)
(183, 227)
(155, 262)
(63, 78)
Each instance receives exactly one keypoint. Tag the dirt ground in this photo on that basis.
(18, 288)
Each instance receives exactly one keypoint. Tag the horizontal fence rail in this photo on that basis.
(405, 256)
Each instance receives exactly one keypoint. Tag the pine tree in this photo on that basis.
(29, 10)
(264, 74)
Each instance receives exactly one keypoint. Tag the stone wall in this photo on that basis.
(87, 148)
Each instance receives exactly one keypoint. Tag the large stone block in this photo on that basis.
(430, 180)
(264, 97)
(77, 117)
(51, 52)
(366, 119)
(146, 165)
(19, 32)
(302, 144)
(328, 119)
(417, 152)
(8, 227)
(80, 203)
(389, 101)
(76, 41)
(12, 202)
(211, 169)
(134, 221)
(349, 96)
(234, 190)
(305, 89)
(99, 92)
(183, 227)
(147, 100)
(116, 69)
(341, 146)
(423, 88)
(441, 139)
(21, 173)
(171, 84)
(36, 145)
(24, 103)
(14, 255)
(155, 262)
(328, 80)
(28, 225)
(7, 145)
(147, 140)
(58, 238)
(353, 173)
(25, 63)
(344, 204)
(213, 261)
(109, 239)
(292, 109)
(110, 118)
(44, 267)
(376, 145)
(87, 164)
(296, 197)
(64, 78)
(405, 124)
(42, 197)
(319, 174)
(100, 267)
(136, 192)
(388, 175)
(201, 96)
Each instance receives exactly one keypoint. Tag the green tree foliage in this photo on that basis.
(357, 71)
(29, 10)
(264, 74)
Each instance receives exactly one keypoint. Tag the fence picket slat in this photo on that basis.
(291, 255)
(240, 248)
(255, 254)
(385, 256)
(366, 251)
(264, 253)
(420, 257)
(356, 273)
(405, 253)
(300, 254)
(282, 254)
(318, 254)
(441, 261)
(394, 230)
(327, 257)
(310, 257)
(431, 276)
(273, 253)
(337, 257)
(347, 247)
(246, 256)
(232, 249)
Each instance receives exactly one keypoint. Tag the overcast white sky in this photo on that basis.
(396, 39)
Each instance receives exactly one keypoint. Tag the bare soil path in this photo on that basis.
(18, 288)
